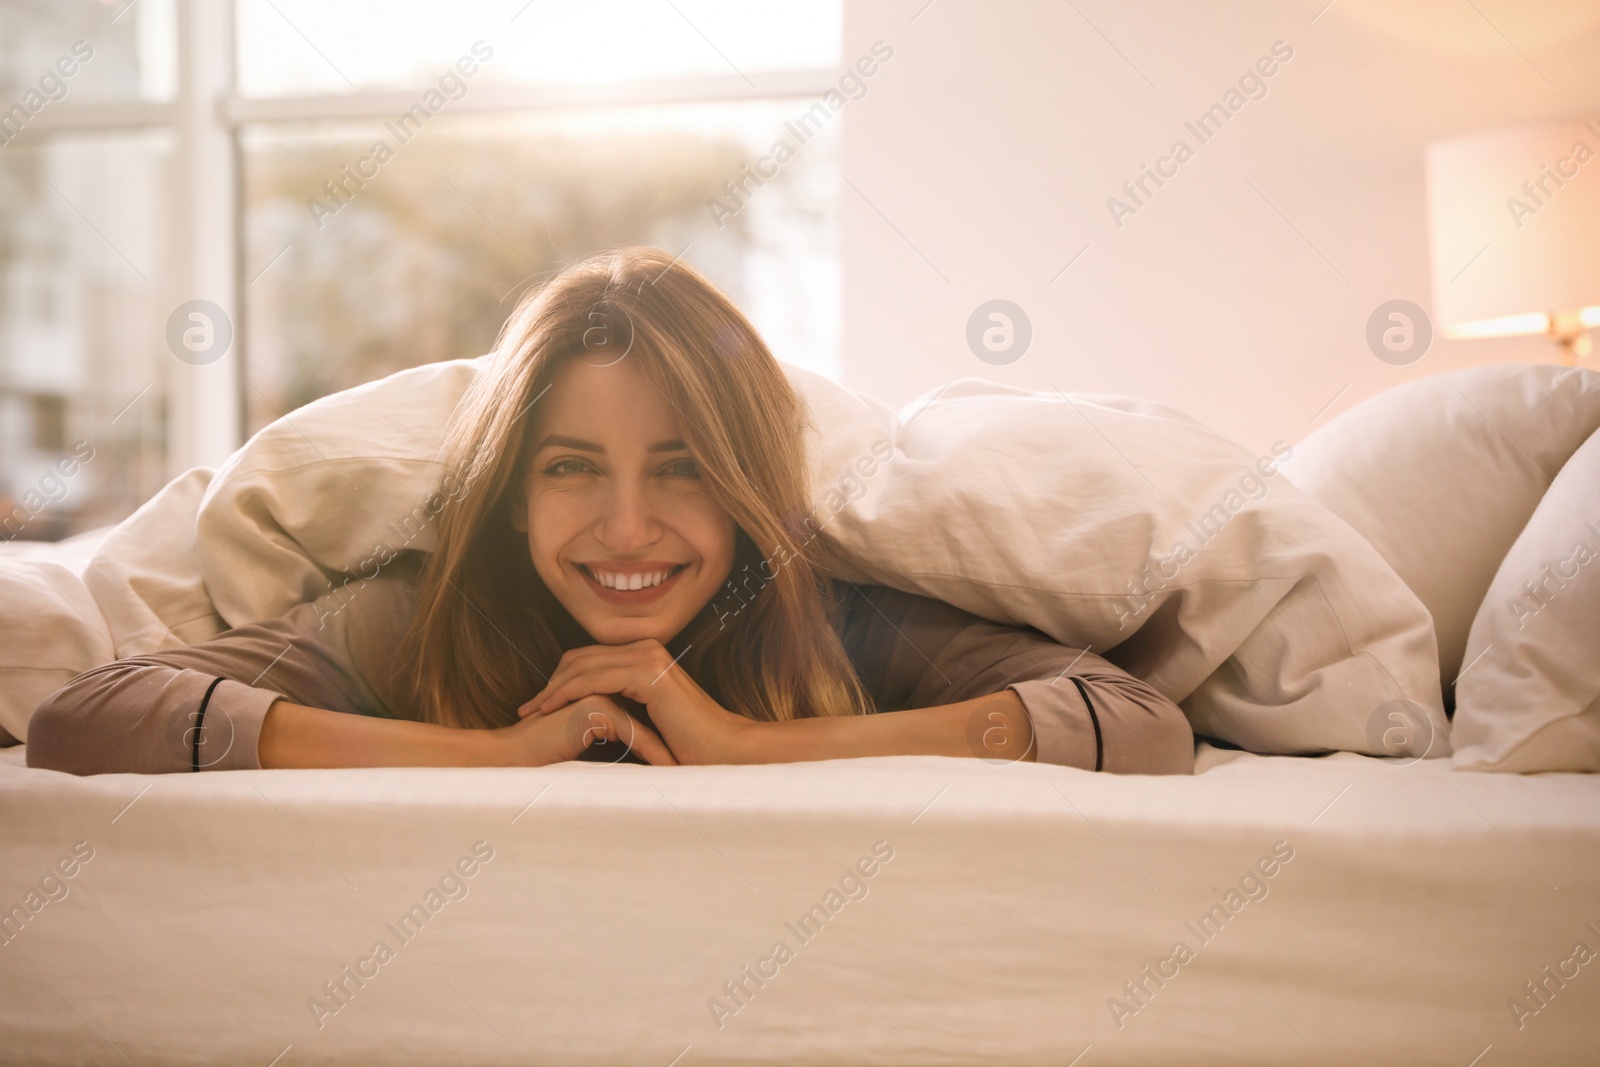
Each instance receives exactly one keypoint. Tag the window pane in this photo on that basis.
(81, 240)
(426, 258)
(82, 51)
(301, 47)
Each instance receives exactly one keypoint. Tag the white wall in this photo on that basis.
(994, 136)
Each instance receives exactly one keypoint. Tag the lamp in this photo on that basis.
(1514, 221)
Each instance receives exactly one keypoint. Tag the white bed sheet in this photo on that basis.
(619, 900)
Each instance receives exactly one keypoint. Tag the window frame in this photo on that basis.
(205, 120)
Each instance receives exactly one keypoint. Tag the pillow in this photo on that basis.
(53, 631)
(1129, 528)
(1442, 474)
(1285, 632)
(138, 590)
(1529, 699)
(327, 492)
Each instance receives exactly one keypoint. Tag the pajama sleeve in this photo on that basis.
(201, 707)
(915, 652)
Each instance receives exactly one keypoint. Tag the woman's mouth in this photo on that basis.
(633, 584)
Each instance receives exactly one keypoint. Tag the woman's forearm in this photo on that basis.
(994, 727)
(293, 735)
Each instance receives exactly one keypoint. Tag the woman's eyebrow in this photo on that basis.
(674, 445)
(568, 442)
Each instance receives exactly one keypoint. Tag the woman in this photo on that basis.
(630, 447)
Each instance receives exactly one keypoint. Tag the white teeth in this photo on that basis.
(630, 582)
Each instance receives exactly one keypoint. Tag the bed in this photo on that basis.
(1315, 893)
(1407, 906)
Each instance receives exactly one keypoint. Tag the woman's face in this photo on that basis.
(620, 525)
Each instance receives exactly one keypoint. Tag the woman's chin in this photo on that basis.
(623, 631)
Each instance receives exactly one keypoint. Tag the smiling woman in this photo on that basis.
(633, 423)
(566, 512)
(631, 447)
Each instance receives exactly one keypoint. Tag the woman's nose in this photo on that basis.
(629, 521)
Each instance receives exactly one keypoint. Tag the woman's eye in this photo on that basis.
(684, 468)
(566, 466)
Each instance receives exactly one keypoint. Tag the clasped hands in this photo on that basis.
(576, 709)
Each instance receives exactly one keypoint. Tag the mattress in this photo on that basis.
(906, 910)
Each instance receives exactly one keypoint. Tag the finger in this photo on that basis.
(537, 707)
(592, 722)
(649, 746)
(600, 721)
(577, 663)
(626, 679)
(546, 699)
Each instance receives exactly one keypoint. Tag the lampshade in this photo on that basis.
(1514, 220)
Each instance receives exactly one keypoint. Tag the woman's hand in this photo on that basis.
(565, 733)
(696, 728)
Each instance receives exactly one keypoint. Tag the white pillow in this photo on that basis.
(1530, 697)
(1441, 475)
(139, 590)
(1285, 633)
(53, 631)
(322, 493)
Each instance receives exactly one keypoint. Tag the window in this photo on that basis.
(82, 247)
(124, 196)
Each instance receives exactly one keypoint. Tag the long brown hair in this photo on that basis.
(486, 633)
